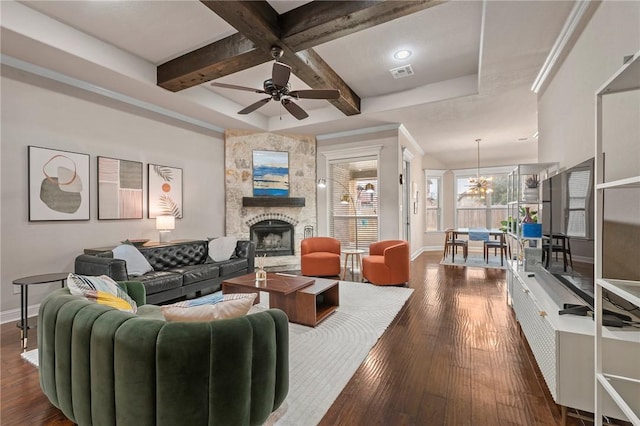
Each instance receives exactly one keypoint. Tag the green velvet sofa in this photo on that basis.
(102, 366)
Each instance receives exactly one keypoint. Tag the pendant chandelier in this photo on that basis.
(479, 186)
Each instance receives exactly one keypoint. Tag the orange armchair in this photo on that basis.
(387, 263)
(320, 256)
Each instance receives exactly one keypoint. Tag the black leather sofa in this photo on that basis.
(179, 269)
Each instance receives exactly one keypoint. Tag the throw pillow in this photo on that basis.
(137, 264)
(222, 248)
(209, 299)
(232, 306)
(102, 290)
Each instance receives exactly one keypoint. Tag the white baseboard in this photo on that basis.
(416, 253)
(14, 314)
(424, 249)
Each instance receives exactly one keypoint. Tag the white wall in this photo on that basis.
(39, 112)
(566, 108)
(415, 182)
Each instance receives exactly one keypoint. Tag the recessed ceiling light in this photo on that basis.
(402, 54)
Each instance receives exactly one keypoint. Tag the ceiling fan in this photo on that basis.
(279, 89)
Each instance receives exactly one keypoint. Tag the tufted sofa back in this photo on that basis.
(100, 365)
(176, 255)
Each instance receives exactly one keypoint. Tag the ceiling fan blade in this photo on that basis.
(294, 109)
(280, 74)
(316, 94)
(233, 86)
(254, 106)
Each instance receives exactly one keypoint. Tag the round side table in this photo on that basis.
(354, 254)
(24, 284)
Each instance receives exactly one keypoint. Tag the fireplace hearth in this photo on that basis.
(273, 238)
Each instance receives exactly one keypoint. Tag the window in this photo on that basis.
(354, 210)
(578, 190)
(433, 200)
(474, 212)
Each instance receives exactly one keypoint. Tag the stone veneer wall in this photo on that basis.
(239, 145)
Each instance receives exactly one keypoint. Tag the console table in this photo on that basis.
(24, 284)
(98, 250)
(563, 344)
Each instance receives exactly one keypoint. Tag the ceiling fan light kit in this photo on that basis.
(278, 89)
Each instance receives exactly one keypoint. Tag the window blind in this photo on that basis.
(578, 189)
(359, 212)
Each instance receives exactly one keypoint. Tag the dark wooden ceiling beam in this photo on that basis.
(258, 21)
(309, 67)
(321, 21)
(227, 56)
(296, 32)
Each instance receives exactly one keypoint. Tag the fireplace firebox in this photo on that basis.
(273, 238)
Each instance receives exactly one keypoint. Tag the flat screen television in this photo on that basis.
(567, 213)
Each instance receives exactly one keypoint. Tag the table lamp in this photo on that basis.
(165, 223)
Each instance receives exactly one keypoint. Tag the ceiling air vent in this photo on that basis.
(403, 71)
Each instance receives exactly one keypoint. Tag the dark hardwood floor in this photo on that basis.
(453, 356)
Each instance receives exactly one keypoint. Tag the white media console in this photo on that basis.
(563, 345)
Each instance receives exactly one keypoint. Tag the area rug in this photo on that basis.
(31, 356)
(323, 359)
(476, 260)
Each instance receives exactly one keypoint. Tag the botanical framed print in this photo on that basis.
(58, 184)
(119, 189)
(165, 191)
(270, 174)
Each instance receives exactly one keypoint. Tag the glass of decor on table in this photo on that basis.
(261, 274)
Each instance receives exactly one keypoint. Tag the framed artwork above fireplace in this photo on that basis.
(270, 174)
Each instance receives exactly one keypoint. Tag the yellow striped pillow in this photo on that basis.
(102, 290)
(108, 299)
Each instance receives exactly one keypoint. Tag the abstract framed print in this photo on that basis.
(270, 174)
(58, 184)
(165, 191)
(119, 189)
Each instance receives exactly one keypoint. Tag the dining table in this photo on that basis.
(478, 234)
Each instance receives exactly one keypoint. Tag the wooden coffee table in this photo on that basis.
(305, 300)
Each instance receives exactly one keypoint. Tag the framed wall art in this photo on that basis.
(119, 189)
(58, 184)
(270, 174)
(165, 191)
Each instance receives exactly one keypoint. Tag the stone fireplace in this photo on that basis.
(276, 223)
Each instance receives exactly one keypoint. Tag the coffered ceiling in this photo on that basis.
(473, 62)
